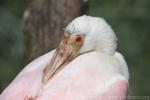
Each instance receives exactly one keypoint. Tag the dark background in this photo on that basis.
(130, 19)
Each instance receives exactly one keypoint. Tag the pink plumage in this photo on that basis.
(98, 73)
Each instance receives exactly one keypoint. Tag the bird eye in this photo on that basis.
(79, 39)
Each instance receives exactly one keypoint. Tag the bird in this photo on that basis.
(84, 66)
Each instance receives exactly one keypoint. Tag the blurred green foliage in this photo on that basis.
(11, 47)
(129, 18)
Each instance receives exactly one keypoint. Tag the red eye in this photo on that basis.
(78, 39)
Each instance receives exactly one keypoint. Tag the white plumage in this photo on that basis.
(96, 75)
(99, 35)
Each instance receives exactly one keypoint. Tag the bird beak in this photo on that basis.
(63, 54)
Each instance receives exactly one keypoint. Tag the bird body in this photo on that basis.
(95, 74)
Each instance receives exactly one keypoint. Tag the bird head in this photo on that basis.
(82, 35)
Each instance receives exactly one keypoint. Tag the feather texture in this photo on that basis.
(87, 80)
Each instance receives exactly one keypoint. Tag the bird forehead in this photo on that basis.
(85, 25)
(79, 25)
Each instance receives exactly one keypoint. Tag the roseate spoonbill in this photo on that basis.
(84, 66)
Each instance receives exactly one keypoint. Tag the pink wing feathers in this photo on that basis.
(117, 91)
(28, 83)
